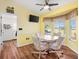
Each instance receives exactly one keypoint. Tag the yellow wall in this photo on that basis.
(61, 11)
(22, 14)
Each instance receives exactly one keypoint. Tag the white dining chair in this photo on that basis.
(39, 46)
(56, 47)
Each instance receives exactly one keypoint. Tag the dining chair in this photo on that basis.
(56, 47)
(39, 46)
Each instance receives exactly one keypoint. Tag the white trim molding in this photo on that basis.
(20, 45)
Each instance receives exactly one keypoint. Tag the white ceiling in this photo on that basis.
(31, 4)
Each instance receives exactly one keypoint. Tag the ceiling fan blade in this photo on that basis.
(41, 4)
(46, 2)
(41, 9)
(53, 4)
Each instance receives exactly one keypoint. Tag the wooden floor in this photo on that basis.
(10, 51)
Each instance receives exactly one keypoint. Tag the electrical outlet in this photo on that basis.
(27, 38)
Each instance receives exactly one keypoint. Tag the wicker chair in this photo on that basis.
(56, 47)
(39, 46)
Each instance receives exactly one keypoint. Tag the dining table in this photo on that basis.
(48, 42)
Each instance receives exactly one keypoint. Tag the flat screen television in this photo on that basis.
(33, 18)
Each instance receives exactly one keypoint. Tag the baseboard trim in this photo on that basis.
(73, 50)
(20, 45)
(10, 40)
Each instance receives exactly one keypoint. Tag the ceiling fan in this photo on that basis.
(47, 5)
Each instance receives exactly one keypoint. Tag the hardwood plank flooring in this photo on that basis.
(10, 51)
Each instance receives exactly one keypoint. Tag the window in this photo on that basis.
(72, 29)
(59, 26)
(47, 27)
(54, 26)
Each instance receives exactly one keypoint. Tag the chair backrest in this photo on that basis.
(38, 44)
(57, 44)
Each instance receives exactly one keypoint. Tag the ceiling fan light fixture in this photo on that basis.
(46, 7)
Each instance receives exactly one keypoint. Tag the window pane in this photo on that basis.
(72, 35)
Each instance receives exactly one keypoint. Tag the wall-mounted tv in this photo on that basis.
(33, 18)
